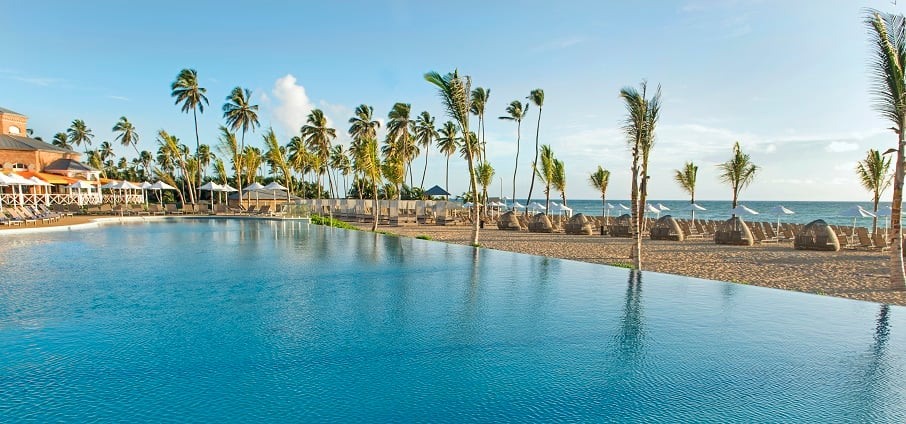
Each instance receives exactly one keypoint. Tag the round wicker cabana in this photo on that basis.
(540, 224)
(579, 224)
(733, 231)
(817, 235)
(509, 222)
(666, 228)
(621, 226)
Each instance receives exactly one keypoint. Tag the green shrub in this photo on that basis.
(621, 264)
(331, 222)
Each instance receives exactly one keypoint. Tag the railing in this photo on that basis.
(291, 210)
(68, 198)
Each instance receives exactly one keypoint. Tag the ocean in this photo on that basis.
(805, 212)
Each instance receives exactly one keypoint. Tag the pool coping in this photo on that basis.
(98, 222)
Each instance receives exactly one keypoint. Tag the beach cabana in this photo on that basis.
(733, 231)
(666, 228)
(817, 235)
(579, 224)
(436, 191)
(210, 187)
(540, 223)
(508, 222)
(622, 226)
(255, 186)
(160, 186)
(273, 187)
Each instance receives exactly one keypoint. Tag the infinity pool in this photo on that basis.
(220, 320)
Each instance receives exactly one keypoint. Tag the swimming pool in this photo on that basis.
(224, 320)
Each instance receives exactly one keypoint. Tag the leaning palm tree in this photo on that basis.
(362, 127)
(105, 150)
(537, 97)
(229, 148)
(220, 170)
(454, 92)
(559, 179)
(516, 111)
(425, 133)
(886, 32)
(276, 154)
(599, 180)
(446, 142)
(639, 126)
(480, 97)
(545, 173)
(368, 162)
(61, 140)
(317, 135)
(686, 179)
(192, 97)
(738, 172)
(79, 133)
(127, 136)
(171, 148)
(239, 113)
(872, 172)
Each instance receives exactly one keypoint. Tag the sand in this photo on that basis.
(856, 274)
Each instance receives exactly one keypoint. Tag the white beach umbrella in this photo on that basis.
(781, 210)
(536, 206)
(273, 187)
(468, 205)
(125, 185)
(226, 188)
(743, 210)
(45, 184)
(692, 207)
(255, 186)
(145, 187)
(662, 207)
(210, 187)
(624, 207)
(79, 185)
(517, 205)
(886, 212)
(160, 186)
(855, 213)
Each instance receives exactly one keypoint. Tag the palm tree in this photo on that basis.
(446, 142)
(79, 133)
(537, 97)
(738, 172)
(229, 147)
(251, 160)
(192, 97)
(61, 140)
(339, 161)
(105, 151)
(399, 142)
(425, 133)
(686, 179)
(394, 171)
(480, 97)
(127, 134)
(277, 156)
(546, 173)
(205, 157)
(146, 159)
(516, 111)
(220, 170)
(872, 173)
(317, 135)
(454, 91)
(886, 32)
(362, 127)
(239, 113)
(367, 161)
(170, 148)
(485, 177)
(559, 179)
(599, 180)
(639, 126)
(299, 157)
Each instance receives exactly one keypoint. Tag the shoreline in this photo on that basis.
(852, 274)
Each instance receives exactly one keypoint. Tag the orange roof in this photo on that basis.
(50, 178)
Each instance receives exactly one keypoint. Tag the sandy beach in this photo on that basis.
(856, 274)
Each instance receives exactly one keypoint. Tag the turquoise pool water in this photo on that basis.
(241, 321)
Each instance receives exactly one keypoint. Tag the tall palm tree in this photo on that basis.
(480, 97)
(79, 133)
(317, 135)
(872, 172)
(127, 133)
(240, 114)
(639, 126)
(220, 170)
(399, 142)
(536, 97)
(425, 133)
(339, 161)
(187, 92)
(171, 148)
(229, 148)
(252, 158)
(61, 140)
(205, 157)
(298, 156)
(516, 111)
(886, 33)
(738, 172)
(146, 159)
(455, 91)
(105, 151)
(394, 171)
(366, 160)
(559, 179)
(362, 127)
(599, 180)
(686, 179)
(446, 142)
(545, 172)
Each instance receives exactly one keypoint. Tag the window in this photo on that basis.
(14, 130)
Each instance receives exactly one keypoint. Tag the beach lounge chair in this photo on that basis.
(264, 210)
(16, 214)
(879, 241)
(862, 239)
(187, 209)
(6, 219)
(171, 209)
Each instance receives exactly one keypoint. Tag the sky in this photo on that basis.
(788, 80)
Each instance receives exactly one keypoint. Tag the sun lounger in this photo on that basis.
(862, 239)
(879, 241)
(8, 219)
(16, 214)
(171, 209)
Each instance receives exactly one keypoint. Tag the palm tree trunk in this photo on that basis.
(535, 163)
(474, 186)
(516, 165)
(239, 167)
(447, 183)
(329, 181)
(897, 274)
(874, 220)
(484, 141)
(197, 143)
(636, 252)
(547, 199)
(374, 205)
(425, 171)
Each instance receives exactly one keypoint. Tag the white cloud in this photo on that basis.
(558, 44)
(841, 146)
(121, 98)
(292, 103)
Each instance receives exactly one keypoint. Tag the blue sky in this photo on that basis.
(789, 80)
